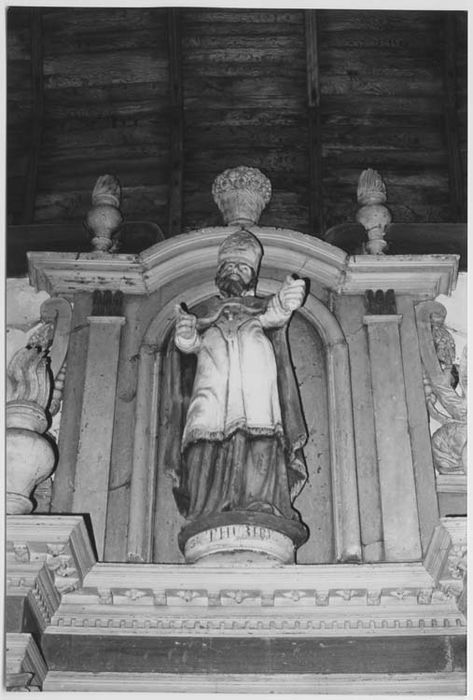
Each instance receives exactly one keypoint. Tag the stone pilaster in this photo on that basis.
(396, 471)
(97, 417)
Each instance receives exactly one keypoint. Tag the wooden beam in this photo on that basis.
(316, 212)
(31, 182)
(456, 173)
(177, 123)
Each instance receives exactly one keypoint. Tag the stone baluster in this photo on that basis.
(31, 456)
(373, 215)
(396, 471)
(98, 412)
(104, 218)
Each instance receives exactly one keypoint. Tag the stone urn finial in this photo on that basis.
(104, 218)
(241, 194)
(373, 215)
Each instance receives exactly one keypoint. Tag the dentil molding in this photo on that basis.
(50, 559)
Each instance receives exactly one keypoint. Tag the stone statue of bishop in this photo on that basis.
(240, 450)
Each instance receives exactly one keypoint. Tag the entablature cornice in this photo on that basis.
(428, 275)
(194, 255)
(74, 594)
(46, 555)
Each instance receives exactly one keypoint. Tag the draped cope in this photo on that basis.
(242, 425)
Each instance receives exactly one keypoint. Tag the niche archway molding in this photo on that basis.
(347, 544)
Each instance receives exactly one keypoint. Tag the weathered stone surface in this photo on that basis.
(396, 474)
(350, 311)
(418, 423)
(97, 418)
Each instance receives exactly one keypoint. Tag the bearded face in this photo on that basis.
(234, 279)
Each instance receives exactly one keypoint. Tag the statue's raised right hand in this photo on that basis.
(185, 323)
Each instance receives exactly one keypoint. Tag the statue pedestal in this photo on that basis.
(242, 537)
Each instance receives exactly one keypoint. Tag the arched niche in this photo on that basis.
(147, 492)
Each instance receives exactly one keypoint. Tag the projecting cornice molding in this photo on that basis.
(46, 556)
(406, 274)
(195, 255)
(49, 558)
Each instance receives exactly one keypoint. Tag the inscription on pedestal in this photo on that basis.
(221, 533)
(235, 540)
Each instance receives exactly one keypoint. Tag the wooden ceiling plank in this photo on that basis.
(316, 216)
(457, 189)
(177, 124)
(31, 181)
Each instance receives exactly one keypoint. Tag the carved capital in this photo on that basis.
(107, 303)
(380, 302)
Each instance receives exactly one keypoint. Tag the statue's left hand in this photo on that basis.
(292, 293)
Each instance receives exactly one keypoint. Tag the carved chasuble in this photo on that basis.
(241, 462)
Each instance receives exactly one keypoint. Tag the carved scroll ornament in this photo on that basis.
(445, 388)
(33, 387)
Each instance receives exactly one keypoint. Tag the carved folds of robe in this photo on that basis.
(242, 424)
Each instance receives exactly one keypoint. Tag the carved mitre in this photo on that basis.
(241, 194)
(241, 247)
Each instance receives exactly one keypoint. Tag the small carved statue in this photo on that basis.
(445, 387)
(241, 446)
(449, 441)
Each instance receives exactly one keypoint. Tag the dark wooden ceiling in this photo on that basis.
(167, 98)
